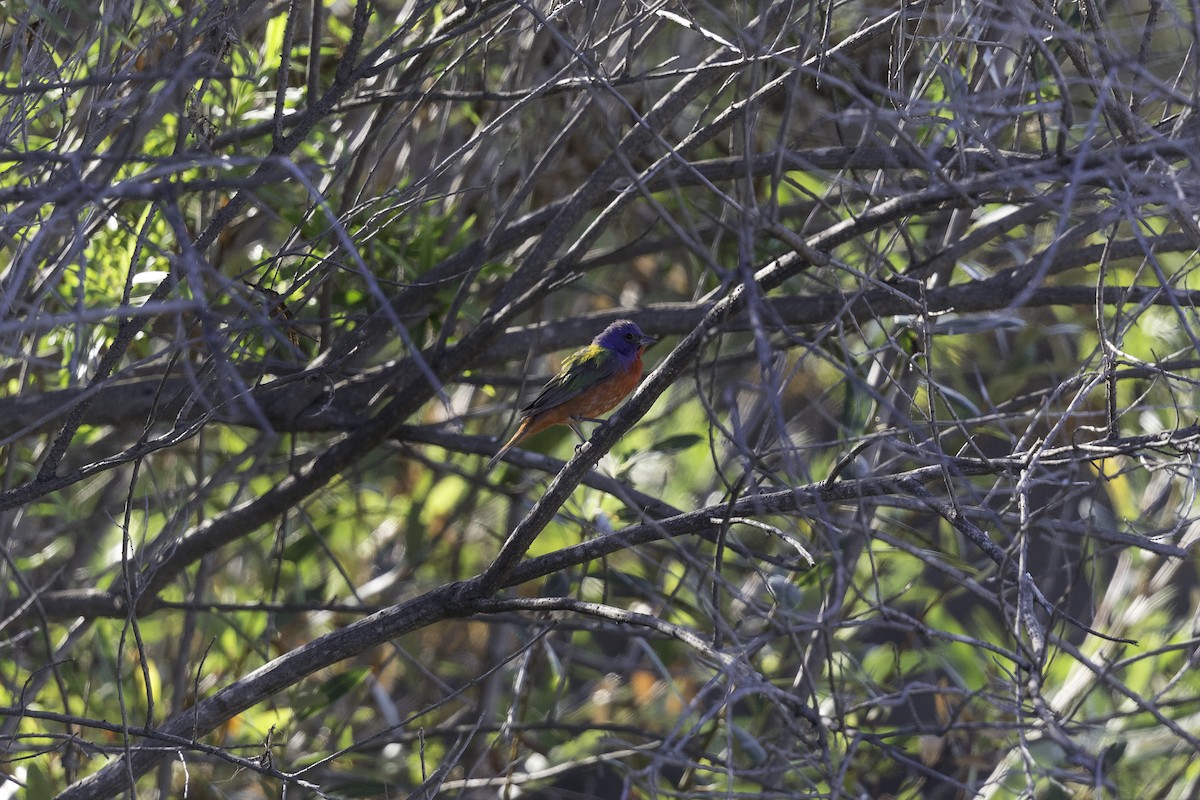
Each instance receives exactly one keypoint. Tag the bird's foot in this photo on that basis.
(575, 426)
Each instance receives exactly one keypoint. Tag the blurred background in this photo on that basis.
(910, 514)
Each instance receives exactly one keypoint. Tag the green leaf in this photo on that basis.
(331, 690)
(677, 443)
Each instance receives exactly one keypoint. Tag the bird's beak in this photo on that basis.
(646, 341)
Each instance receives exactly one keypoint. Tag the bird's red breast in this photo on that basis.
(592, 402)
(606, 394)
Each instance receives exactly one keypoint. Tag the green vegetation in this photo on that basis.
(905, 507)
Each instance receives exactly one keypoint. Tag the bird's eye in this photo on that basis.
(630, 336)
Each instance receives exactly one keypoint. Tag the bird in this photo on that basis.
(592, 381)
(276, 308)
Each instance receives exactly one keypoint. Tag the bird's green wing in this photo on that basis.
(582, 370)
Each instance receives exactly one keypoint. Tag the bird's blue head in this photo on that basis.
(624, 338)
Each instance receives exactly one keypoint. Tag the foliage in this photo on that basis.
(906, 508)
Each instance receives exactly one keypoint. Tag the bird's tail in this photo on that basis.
(516, 437)
(499, 455)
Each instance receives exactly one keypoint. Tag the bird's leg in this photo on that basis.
(575, 427)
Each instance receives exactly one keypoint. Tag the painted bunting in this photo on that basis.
(592, 381)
